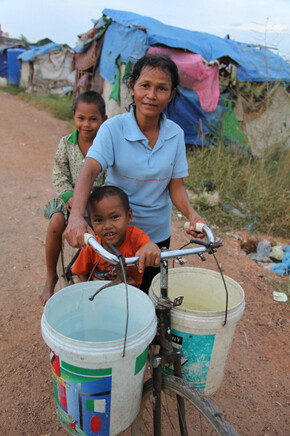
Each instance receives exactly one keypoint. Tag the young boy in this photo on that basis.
(110, 216)
(89, 113)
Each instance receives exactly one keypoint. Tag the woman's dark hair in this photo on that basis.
(91, 97)
(109, 191)
(161, 61)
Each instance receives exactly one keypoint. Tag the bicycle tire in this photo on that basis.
(203, 417)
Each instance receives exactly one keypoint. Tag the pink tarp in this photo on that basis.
(195, 75)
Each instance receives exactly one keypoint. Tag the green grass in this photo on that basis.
(59, 106)
(257, 187)
(12, 89)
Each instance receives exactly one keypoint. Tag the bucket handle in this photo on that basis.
(210, 247)
(211, 251)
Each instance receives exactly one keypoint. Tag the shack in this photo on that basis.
(48, 69)
(222, 81)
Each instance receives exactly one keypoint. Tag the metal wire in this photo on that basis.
(211, 251)
(127, 302)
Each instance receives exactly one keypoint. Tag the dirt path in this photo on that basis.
(255, 390)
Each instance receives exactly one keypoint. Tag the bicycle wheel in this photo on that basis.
(202, 416)
(67, 258)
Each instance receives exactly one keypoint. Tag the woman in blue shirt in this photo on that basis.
(144, 154)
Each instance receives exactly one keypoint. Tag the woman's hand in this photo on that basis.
(190, 226)
(180, 200)
(149, 255)
(75, 230)
(77, 225)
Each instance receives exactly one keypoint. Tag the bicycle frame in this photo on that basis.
(167, 353)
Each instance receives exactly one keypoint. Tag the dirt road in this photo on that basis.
(255, 390)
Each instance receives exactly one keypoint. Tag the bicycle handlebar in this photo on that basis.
(168, 254)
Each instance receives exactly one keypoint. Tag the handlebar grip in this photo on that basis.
(198, 226)
(87, 236)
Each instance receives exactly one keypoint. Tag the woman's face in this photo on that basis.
(152, 91)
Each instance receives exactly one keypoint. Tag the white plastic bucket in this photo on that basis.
(97, 390)
(197, 325)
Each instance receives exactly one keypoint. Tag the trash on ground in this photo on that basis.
(283, 268)
(280, 296)
(228, 208)
(192, 196)
(264, 248)
(211, 199)
(209, 186)
(277, 253)
(267, 265)
(250, 226)
(259, 258)
(266, 255)
(234, 235)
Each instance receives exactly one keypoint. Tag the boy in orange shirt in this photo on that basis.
(110, 216)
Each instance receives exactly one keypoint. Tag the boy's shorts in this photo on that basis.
(56, 205)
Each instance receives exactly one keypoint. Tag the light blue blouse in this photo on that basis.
(142, 172)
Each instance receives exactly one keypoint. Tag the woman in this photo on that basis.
(144, 154)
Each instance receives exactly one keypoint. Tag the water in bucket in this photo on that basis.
(197, 325)
(97, 390)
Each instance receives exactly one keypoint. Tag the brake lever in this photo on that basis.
(115, 251)
(216, 244)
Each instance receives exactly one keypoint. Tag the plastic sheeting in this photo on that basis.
(30, 55)
(4, 60)
(3, 64)
(254, 64)
(54, 67)
(195, 75)
(126, 44)
(200, 128)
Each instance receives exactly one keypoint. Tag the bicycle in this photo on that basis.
(170, 405)
(67, 257)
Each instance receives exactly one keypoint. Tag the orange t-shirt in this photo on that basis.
(135, 239)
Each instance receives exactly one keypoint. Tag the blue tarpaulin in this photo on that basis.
(128, 43)
(254, 64)
(199, 127)
(128, 36)
(30, 55)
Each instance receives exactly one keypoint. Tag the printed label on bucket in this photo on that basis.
(196, 351)
(83, 397)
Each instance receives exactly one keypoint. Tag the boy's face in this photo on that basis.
(109, 220)
(88, 119)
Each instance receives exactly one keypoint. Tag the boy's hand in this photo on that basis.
(69, 204)
(75, 230)
(149, 255)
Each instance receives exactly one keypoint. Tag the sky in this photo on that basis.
(265, 22)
